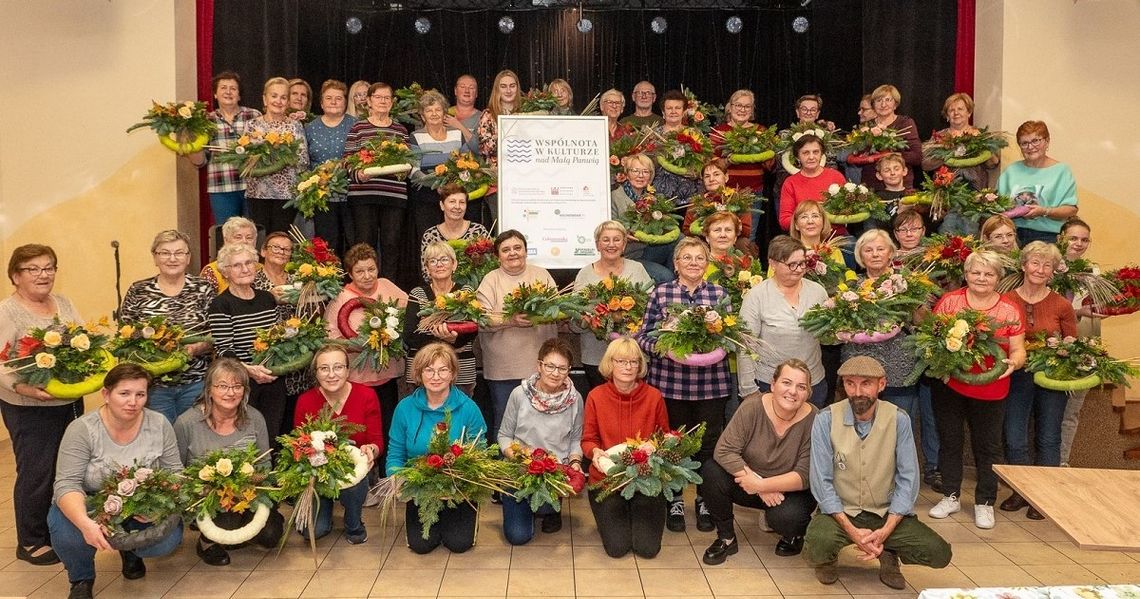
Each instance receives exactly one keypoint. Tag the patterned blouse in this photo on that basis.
(189, 309)
(281, 185)
(222, 178)
(433, 234)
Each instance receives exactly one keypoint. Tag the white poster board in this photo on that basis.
(554, 185)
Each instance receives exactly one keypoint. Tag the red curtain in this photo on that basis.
(964, 50)
(204, 22)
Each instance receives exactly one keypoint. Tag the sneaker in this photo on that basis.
(720, 550)
(373, 498)
(704, 518)
(933, 479)
(552, 523)
(948, 505)
(82, 589)
(676, 519)
(762, 522)
(826, 573)
(357, 538)
(984, 516)
(889, 572)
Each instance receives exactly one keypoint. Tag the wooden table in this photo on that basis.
(1097, 508)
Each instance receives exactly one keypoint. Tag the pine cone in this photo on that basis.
(644, 469)
(669, 455)
(627, 458)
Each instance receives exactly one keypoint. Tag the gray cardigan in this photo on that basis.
(560, 434)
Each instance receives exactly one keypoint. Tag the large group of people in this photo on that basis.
(818, 437)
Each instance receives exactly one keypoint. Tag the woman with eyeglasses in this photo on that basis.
(455, 226)
(639, 172)
(236, 229)
(439, 261)
(184, 300)
(612, 104)
(909, 227)
(885, 101)
(1040, 182)
(1000, 234)
(957, 110)
(35, 420)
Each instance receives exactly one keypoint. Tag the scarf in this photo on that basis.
(550, 403)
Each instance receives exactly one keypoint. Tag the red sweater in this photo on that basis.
(798, 188)
(362, 407)
(612, 417)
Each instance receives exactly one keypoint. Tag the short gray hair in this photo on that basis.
(609, 225)
(869, 236)
(233, 250)
(437, 249)
(235, 223)
(168, 236)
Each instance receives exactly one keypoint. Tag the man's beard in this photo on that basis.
(861, 403)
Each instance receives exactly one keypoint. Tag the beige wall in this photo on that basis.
(75, 75)
(1076, 66)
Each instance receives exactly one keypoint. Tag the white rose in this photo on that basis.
(820, 133)
(657, 215)
(833, 188)
(391, 311)
(224, 466)
(953, 344)
(796, 136)
(393, 334)
(81, 342)
(861, 189)
(849, 186)
(392, 322)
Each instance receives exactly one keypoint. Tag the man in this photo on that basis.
(466, 116)
(864, 474)
(644, 95)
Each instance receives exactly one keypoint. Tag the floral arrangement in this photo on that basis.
(316, 186)
(464, 471)
(684, 152)
(832, 141)
(618, 307)
(1073, 364)
(653, 220)
(660, 465)
(726, 199)
(965, 150)
(541, 480)
(317, 276)
(871, 311)
(1127, 298)
(737, 272)
(288, 346)
(942, 256)
(406, 107)
(260, 154)
(868, 142)
(627, 145)
(1080, 276)
(700, 115)
(474, 258)
(821, 266)
(183, 128)
(543, 304)
(748, 144)
(536, 100)
(231, 480)
(132, 495)
(382, 155)
(851, 203)
(960, 346)
(68, 360)
(703, 333)
(154, 343)
(379, 339)
(468, 170)
(460, 310)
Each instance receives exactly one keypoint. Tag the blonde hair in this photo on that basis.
(622, 348)
(886, 90)
(494, 103)
(169, 236)
(231, 251)
(276, 81)
(609, 225)
(690, 242)
(1040, 249)
(428, 354)
(986, 258)
(640, 160)
(964, 97)
(803, 207)
(235, 223)
(308, 88)
(612, 93)
(352, 103)
(565, 85)
(437, 249)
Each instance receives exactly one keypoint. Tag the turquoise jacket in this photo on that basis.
(413, 422)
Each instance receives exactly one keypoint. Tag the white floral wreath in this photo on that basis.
(360, 463)
(234, 536)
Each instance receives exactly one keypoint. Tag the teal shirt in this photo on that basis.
(413, 422)
(1048, 187)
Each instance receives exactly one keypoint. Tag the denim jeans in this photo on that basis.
(1026, 400)
(929, 427)
(818, 393)
(79, 558)
(172, 401)
(226, 204)
(500, 393)
(352, 499)
(518, 520)
(1024, 236)
(904, 398)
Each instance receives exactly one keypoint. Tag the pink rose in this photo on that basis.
(142, 474)
(113, 505)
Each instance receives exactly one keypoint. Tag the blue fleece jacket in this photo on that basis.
(413, 422)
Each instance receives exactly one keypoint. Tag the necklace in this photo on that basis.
(776, 412)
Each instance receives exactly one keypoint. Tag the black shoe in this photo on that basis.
(1014, 503)
(83, 589)
(214, 555)
(789, 547)
(552, 523)
(1033, 514)
(133, 566)
(496, 498)
(676, 519)
(720, 550)
(933, 479)
(47, 558)
(704, 518)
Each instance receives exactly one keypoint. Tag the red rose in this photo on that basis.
(550, 465)
(435, 461)
(536, 468)
(639, 456)
(538, 453)
(456, 449)
(601, 309)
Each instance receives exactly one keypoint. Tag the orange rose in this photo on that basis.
(627, 303)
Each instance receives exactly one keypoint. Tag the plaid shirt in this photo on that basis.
(221, 178)
(675, 380)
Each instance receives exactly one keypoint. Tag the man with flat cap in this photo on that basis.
(864, 474)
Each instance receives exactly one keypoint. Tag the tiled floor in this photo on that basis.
(571, 564)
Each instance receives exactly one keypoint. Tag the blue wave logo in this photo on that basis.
(519, 151)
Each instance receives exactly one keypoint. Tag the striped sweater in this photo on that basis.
(233, 321)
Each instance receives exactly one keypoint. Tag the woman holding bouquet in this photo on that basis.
(326, 137)
(626, 407)
(545, 412)
(957, 401)
(121, 432)
(957, 110)
(223, 180)
(417, 416)
(715, 175)
(1076, 235)
(811, 183)
(667, 184)
(455, 226)
(740, 109)
(439, 260)
(1042, 183)
(35, 420)
(885, 100)
(433, 144)
(610, 241)
(266, 195)
(656, 259)
(693, 394)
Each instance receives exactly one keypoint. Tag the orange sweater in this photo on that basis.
(612, 417)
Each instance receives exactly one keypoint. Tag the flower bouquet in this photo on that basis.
(67, 360)
(726, 199)
(851, 203)
(474, 258)
(154, 343)
(406, 108)
(468, 170)
(618, 307)
(317, 276)
(130, 498)
(965, 150)
(459, 310)
(698, 336)
(660, 465)
(183, 128)
(869, 142)
(737, 272)
(1126, 300)
(788, 137)
(260, 154)
(700, 115)
(942, 257)
(653, 220)
(537, 101)
(748, 144)
(316, 186)
(288, 346)
(230, 482)
(379, 339)
(960, 346)
(821, 266)
(1074, 364)
(383, 155)
(543, 304)
(684, 152)
(870, 312)
(1071, 278)
(541, 480)
(627, 145)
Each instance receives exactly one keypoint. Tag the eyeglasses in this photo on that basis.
(909, 230)
(742, 106)
(554, 368)
(794, 266)
(612, 102)
(644, 93)
(224, 388)
(442, 372)
(36, 271)
(690, 259)
(247, 265)
(381, 97)
(639, 171)
(1029, 143)
(331, 369)
(627, 363)
(167, 254)
(279, 249)
(440, 261)
(808, 110)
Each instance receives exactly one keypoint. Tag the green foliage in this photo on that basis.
(660, 465)
(137, 492)
(234, 479)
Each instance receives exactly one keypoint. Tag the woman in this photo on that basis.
(377, 203)
(564, 95)
(721, 233)
(266, 196)
(272, 277)
(1000, 234)
(455, 225)
(772, 311)
(235, 315)
(236, 230)
(223, 419)
(610, 240)
(504, 100)
(366, 284)
(1049, 314)
(1042, 183)
(739, 113)
(980, 405)
(223, 181)
(507, 340)
(957, 110)
(626, 407)
(865, 112)
(439, 261)
(656, 259)
(885, 100)
(693, 394)
(300, 100)
(183, 300)
(714, 176)
(667, 184)
(326, 136)
(612, 103)
(358, 405)
(811, 183)
(761, 461)
(808, 110)
(545, 411)
(909, 228)
(433, 369)
(35, 420)
(433, 144)
(358, 100)
(121, 432)
(1076, 237)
